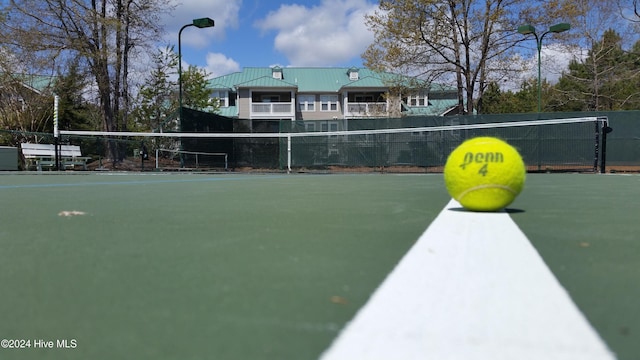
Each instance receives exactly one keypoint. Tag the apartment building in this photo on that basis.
(264, 94)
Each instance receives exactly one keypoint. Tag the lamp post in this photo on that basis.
(199, 23)
(529, 29)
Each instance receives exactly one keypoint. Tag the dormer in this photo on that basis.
(353, 74)
(276, 72)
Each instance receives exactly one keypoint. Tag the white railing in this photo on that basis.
(272, 109)
(366, 109)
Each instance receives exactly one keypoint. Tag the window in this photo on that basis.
(270, 98)
(329, 103)
(307, 102)
(418, 100)
(310, 127)
(221, 96)
(363, 98)
(330, 126)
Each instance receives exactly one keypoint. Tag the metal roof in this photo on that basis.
(436, 107)
(265, 82)
(306, 79)
(36, 83)
(228, 111)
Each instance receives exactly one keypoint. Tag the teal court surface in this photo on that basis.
(275, 266)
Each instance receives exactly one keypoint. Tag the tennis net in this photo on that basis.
(574, 144)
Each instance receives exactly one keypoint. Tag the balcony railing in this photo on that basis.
(272, 109)
(366, 109)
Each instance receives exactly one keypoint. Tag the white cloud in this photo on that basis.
(323, 35)
(554, 60)
(218, 65)
(225, 13)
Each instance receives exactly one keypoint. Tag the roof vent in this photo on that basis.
(276, 72)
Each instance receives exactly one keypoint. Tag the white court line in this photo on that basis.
(471, 288)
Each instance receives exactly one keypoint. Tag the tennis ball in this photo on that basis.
(484, 174)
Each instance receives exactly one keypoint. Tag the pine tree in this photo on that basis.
(75, 112)
(607, 80)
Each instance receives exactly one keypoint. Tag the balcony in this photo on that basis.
(362, 109)
(272, 109)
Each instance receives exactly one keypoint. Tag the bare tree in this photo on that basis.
(26, 105)
(630, 11)
(469, 43)
(103, 33)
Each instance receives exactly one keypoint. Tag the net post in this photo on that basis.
(596, 148)
(605, 130)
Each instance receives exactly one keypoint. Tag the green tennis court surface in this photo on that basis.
(200, 266)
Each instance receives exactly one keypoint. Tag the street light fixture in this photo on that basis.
(199, 23)
(529, 29)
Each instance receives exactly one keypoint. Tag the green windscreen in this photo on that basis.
(570, 144)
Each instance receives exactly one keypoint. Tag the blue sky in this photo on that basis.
(266, 33)
(296, 33)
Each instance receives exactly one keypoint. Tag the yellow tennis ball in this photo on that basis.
(484, 174)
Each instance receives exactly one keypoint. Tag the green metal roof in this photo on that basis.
(306, 79)
(368, 81)
(435, 108)
(265, 81)
(228, 111)
(37, 83)
(219, 85)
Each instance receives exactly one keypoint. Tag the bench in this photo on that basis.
(39, 156)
